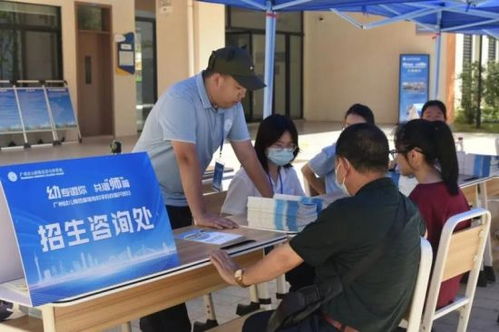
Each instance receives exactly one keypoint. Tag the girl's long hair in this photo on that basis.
(435, 141)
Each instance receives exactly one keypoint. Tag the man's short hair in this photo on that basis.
(365, 146)
(362, 111)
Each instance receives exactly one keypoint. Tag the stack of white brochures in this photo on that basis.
(283, 212)
(477, 165)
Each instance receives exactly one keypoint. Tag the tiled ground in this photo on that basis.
(483, 315)
(313, 136)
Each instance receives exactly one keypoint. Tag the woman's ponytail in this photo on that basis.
(445, 150)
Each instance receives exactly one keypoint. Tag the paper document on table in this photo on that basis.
(209, 237)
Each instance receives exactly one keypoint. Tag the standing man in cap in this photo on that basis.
(189, 122)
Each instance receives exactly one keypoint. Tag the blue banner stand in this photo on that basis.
(97, 223)
(414, 80)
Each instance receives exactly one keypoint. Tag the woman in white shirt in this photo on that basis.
(276, 146)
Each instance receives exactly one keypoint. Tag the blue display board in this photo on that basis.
(34, 109)
(87, 224)
(62, 108)
(9, 113)
(413, 85)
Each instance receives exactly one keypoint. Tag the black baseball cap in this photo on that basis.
(236, 62)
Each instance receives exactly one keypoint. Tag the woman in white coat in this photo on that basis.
(276, 146)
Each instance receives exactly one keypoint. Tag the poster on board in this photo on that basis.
(61, 107)
(10, 120)
(34, 109)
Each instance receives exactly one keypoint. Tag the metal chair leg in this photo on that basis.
(211, 319)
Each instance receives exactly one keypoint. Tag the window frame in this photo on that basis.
(233, 30)
(17, 27)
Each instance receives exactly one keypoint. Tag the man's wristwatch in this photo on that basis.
(238, 277)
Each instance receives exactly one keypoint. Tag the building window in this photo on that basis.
(246, 28)
(145, 67)
(92, 18)
(492, 49)
(467, 49)
(30, 42)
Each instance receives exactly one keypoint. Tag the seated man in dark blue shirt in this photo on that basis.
(345, 232)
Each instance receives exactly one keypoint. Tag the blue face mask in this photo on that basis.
(338, 184)
(280, 156)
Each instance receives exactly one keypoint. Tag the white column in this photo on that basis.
(190, 37)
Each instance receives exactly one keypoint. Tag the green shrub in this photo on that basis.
(489, 106)
(469, 91)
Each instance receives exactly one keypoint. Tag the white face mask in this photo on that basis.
(280, 156)
(338, 184)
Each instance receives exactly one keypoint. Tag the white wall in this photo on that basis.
(209, 31)
(125, 96)
(344, 65)
(172, 42)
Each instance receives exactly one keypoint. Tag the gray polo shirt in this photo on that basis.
(184, 113)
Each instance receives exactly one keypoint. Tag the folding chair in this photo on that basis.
(492, 196)
(458, 253)
(412, 321)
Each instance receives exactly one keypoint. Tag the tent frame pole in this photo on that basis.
(438, 55)
(270, 31)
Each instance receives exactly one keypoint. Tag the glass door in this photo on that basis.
(287, 96)
(243, 40)
(145, 68)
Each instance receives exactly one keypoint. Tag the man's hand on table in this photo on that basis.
(215, 221)
(226, 267)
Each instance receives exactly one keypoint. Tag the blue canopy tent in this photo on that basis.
(457, 16)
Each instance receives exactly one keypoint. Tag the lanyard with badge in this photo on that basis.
(279, 180)
(219, 164)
